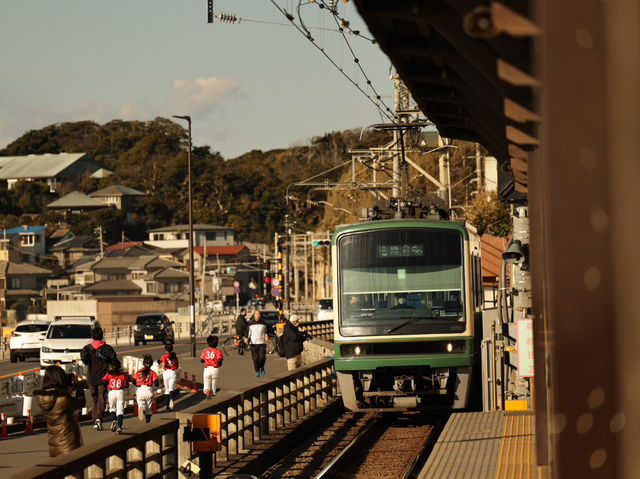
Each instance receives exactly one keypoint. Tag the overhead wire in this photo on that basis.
(307, 34)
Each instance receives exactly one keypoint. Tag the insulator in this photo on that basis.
(332, 4)
(227, 18)
(344, 23)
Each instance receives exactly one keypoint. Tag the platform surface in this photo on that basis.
(484, 445)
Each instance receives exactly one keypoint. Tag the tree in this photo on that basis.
(489, 215)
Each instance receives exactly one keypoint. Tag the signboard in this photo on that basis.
(236, 290)
(275, 291)
(236, 284)
(275, 282)
(206, 426)
(525, 348)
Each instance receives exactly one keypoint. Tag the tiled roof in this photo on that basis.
(76, 199)
(116, 190)
(7, 268)
(115, 285)
(37, 166)
(196, 227)
(491, 248)
(219, 250)
(122, 245)
(24, 229)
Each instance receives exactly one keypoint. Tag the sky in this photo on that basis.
(253, 84)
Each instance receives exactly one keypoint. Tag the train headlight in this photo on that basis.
(449, 347)
(357, 351)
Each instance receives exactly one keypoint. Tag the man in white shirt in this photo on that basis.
(258, 338)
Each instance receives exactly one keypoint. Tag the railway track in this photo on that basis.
(359, 445)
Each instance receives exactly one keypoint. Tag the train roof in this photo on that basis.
(404, 223)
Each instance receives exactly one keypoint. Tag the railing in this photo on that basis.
(261, 410)
(148, 451)
(318, 329)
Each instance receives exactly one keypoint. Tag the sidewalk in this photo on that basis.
(21, 451)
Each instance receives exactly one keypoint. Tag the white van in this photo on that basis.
(65, 339)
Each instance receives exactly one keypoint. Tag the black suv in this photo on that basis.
(153, 327)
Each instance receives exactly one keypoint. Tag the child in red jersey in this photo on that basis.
(145, 379)
(212, 359)
(170, 364)
(115, 381)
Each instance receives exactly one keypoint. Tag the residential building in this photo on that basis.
(76, 201)
(20, 283)
(119, 196)
(54, 169)
(178, 236)
(32, 242)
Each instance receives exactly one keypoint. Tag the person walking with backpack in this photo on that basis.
(145, 379)
(97, 356)
(170, 364)
(258, 338)
(212, 358)
(116, 381)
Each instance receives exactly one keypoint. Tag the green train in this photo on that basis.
(407, 302)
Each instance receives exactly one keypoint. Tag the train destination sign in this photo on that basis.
(400, 250)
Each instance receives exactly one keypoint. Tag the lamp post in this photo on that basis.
(192, 312)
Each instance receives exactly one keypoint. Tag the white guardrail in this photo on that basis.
(16, 391)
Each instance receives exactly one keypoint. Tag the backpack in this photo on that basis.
(280, 346)
(102, 355)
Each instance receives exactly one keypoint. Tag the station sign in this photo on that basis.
(525, 348)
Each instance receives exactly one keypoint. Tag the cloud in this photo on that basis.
(201, 96)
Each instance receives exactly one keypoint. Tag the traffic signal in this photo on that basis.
(266, 268)
(321, 243)
(209, 11)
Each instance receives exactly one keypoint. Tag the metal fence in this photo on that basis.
(262, 410)
(148, 451)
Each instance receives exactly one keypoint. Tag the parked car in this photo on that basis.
(65, 339)
(325, 309)
(270, 317)
(26, 339)
(153, 327)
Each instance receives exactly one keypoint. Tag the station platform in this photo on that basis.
(485, 445)
(21, 451)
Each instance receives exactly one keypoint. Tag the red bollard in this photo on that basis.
(154, 405)
(135, 406)
(29, 428)
(4, 426)
(186, 381)
(194, 385)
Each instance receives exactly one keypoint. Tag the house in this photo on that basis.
(178, 236)
(71, 248)
(20, 283)
(122, 197)
(116, 275)
(32, 242)
(76, 201)
(54, 169)
(492, 248)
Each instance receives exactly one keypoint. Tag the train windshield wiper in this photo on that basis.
(395, 328)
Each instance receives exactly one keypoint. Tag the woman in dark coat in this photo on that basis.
(58, 407)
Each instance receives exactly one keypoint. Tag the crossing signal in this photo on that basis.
(321, 242)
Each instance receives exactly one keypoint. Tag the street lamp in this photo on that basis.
(192, 312)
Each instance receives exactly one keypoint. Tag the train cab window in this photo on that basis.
(411, 278)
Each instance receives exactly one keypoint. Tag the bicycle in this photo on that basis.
(234, 343)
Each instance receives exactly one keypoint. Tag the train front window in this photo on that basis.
(402, 281)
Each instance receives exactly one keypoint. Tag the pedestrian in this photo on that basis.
(212, 358)
(293, 342)
(116, 382)
(58, 407)
(242, 324)
(170, 364)
(97, 356)
(258, 338)
(145, 379)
